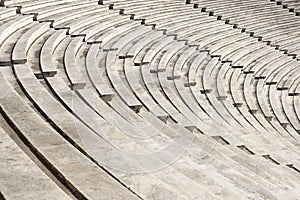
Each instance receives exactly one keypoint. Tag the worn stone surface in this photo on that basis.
(20, 178)
(150, 99)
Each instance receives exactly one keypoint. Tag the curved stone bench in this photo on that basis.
(261, 28)
(86, 22)
(47, 52)
(95, 32)
(234, 49)
(242, 7)
(73, 69)
(183, 18)
(288, 108)
(296, 105)
(7, 12)
(50, 13)
(19, 54)
(55, 152)
(292, 6)
(190, 27)
(296, 91)
(293, 49)
(9, 2)
(22, 175)
(96, 72)
(61, 19)
(251, 15)
(12, 25)
(138, 9)
(248, 23)
(27, 6)
(262, 102)
(254, 56)
(193, 34)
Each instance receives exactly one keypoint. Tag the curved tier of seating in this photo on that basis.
(261, 19)
(290, 5)
(116, 99)
(21, 169)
